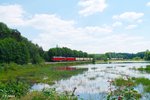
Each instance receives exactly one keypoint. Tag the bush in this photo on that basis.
(13, 88)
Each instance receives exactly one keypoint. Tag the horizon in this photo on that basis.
(97, 26)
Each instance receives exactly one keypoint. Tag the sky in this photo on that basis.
(93, 26)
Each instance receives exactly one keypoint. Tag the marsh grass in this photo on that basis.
(124, 90)
(123, 82)
(49, 94)
(37, 73)
(145, 82)
(125, 87)
(147, 69)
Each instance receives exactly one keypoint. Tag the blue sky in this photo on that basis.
(94, 26)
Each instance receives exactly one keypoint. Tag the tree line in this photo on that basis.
(64, 52)
(145, 55)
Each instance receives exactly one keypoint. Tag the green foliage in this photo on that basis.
(127, 93)
(145, 82)
(49, 94)
(99, 56)
(124, 90)
(94, 60)
(110, 55)
(65, 52)
(147, 55)
(4, 31)
(15, 48)
(13, 88)
(147, 88)
(147, 69)
(123, 82)
(13, 51)
(136, 58)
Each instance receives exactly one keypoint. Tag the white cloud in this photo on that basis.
(130, 20)
(148, 4)
(50, 22)
(129, 16)
(131, 27)
(89, 7)
(117, 23)
(64, 33)
(52, 30)
(139, 21)
(11, 14)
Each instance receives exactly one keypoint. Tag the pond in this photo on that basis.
(93, 84)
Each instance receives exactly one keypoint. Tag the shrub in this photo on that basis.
(13, 88)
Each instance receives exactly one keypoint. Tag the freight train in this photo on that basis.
(59, 59)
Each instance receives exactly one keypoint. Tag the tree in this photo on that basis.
(64, 52)
(4, 31)
(16, 48)
(13, 51)
(147, 55)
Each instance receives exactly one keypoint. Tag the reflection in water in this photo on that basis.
(39, 86)
(93, 84)
(66, 68)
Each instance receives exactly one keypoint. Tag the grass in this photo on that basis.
(145, 82)
(147, 69)
(147, 88)
(123, 82)
(49, 94)
(124, 90)
(37, 73)
(134, 82)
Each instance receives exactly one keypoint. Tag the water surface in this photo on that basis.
(93, 83)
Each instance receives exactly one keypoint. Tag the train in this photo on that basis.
(59, 59)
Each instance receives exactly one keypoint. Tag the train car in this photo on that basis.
(70, 59)
(79, 59)
(58, 59)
